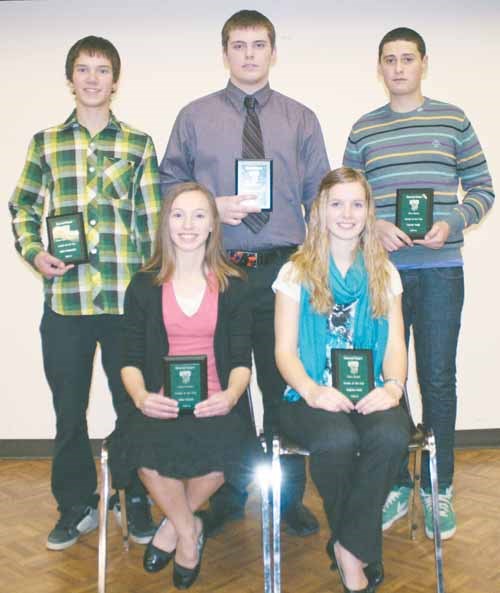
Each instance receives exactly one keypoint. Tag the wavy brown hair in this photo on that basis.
(162, 262)
(311, 259)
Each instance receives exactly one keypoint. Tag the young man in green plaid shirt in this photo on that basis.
(102, 168)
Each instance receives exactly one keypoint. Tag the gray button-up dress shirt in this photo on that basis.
(207, 138)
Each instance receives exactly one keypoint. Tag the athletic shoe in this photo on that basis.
(140, 523)
(395, 506)
(72, 524)
(447, 518)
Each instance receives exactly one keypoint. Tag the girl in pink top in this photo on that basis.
(187, 300)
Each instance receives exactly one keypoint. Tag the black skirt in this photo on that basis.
(185, 447)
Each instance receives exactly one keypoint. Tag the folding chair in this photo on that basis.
(421, 440)
(103, 518)
(270, 483)
(424, 440)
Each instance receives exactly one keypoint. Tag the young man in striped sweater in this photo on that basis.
(416, 143)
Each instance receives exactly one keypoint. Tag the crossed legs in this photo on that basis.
(178, 500)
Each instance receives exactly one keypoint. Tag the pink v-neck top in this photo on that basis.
(192, 334)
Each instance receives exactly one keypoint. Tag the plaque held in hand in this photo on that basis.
(255, 177)
(414, 211)
(352, 372)
(185, 379)
(66, 234)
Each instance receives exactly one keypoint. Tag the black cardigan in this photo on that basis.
(146, 341)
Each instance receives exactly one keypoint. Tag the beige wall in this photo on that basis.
(171, 54)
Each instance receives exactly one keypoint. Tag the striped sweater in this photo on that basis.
(433, 146)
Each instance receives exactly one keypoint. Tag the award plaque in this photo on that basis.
(414, 211)
(66, 235)
(352, 372)
(255, 177)
(185, 379)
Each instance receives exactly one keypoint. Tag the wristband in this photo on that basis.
(396, 382)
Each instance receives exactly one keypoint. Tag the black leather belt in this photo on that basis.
(254, 259)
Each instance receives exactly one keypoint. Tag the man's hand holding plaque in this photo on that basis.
(254, 177)
(67, 240)
(414, 211)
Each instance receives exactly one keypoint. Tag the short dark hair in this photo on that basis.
(247, 19)
(403, 34)
(91, 46)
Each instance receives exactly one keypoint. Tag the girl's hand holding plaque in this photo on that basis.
(380, 398)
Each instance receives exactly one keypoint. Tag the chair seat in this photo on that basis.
(288, 447)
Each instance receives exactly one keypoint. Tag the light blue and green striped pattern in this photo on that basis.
(436, 147)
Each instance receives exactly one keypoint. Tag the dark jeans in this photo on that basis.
(271, 384)
(69, 344)
(432, 306)
(354, 460)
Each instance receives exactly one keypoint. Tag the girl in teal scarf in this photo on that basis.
(340, 291)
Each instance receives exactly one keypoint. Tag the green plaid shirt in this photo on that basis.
(112, 179)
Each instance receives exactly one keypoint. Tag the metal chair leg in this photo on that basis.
(264, 481)
(103, 521)
(438, 550)
(123, 517)
(276, 486)
(417, 468)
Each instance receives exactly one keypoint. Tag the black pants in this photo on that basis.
(271, 384)
(354, 461)
(69, 344)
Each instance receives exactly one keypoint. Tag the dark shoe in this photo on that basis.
(214, 519)
(184, 577)
(331, 554)
(374, 571)
(140, 523)
(300, 521)
(368, 589)
(155, 559)
(72, 524)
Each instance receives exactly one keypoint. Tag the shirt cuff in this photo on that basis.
(31, 252)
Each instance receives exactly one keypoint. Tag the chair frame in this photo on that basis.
(421, 440)
(424, 440)
(103, 519)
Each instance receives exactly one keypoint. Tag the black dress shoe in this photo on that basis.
(374, 571)
(300, 521)
(155, 558)
(215, 518)
(368, 589)
(184, 577)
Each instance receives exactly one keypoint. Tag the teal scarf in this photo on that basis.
(368, 333)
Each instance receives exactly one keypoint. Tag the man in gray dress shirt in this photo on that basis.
(204, 143)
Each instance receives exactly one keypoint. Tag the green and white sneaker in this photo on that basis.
(396, 506)
(447, 518)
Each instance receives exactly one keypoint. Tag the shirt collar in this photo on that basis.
(72, 122)
(237, 96)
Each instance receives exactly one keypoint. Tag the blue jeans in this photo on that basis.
(432, 306)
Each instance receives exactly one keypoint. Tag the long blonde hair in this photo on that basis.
(163, 259)
(311, 259)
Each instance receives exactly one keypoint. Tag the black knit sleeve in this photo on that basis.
(134, 323)
(239, 324)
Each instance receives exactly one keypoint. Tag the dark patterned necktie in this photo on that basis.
(253, 148)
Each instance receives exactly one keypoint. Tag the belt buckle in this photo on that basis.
(247, 259)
